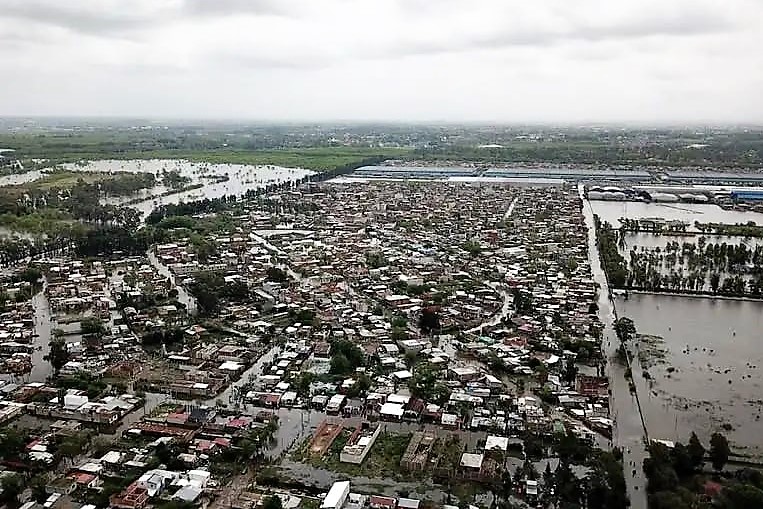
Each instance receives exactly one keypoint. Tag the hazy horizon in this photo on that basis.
(549, 62)
(189, 121)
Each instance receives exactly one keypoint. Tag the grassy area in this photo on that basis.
(72, 147)
(67, 179)
(43, 222)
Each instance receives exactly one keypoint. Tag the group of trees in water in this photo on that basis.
(83, 223)
(725, 269)
(701, 266)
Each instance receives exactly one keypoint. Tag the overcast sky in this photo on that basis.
(396, 60)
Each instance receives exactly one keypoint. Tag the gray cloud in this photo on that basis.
(75, 15)
(389, 59)
(679, 24)
(120, 17)
(234, 7)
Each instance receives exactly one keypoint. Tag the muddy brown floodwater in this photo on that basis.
(708, 373)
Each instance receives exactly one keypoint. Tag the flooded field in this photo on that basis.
(705, 360)
(206, 180)
(650, 240)
(703, 355)
(239, 179)
(612, 211)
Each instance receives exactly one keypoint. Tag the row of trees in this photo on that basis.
(603, 486)
(747, 230)
(612, 261)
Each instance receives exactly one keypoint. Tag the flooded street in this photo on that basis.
(230, 395)
(628, 430)
(44, 324)
(184, 297)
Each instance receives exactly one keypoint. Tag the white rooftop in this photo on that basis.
(471, 460)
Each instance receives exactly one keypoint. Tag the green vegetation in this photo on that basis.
(12, 486)
(677, 478)
(174, 180)
(272, 502)
(612, 261)
(587, 147)
(427, 385)
(719, 451)
(429, 320)
(209, 289)
(375, 259)
(472, 247)
(747, 230)
(689, 268)
(382, 462)
(58, 355)
(602, 487)
(93, 386)
(118, 183)
(62, 147)
(12, 443)
(345, 357)
(57, 206)
(92, 325)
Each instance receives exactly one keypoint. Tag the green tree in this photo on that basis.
(715, 281)
(340, 365)
(741, 496)
(507, 485)
(12, 443)
(625, 328)
(272, 502)
(696, 451)
(400, 321)
(58, 355)
(682, 460)
(276, 275)
(671, 500)
(37, 487)
(429, 320)
(12, 486)
(398, 334)
(302, 384)
(375, 259)
(92, 325)
(410, 358)
(426, 385)
(31, 275)
(719, 451)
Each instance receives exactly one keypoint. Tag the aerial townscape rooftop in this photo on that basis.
(521, 268)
